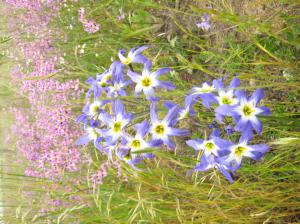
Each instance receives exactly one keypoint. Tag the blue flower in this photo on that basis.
(246, 111)
(134, 56)
(226, 95)
(92, 134)
(138, 142)
(209, 162)
(118, 88)
(205, 93)
(99, 85)
(92, 111)
(162, 129)
(238, 151)
(184, 112)
(213, 146)
(116, 124)
(148, 81)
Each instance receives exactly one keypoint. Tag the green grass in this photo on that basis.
(256, 40)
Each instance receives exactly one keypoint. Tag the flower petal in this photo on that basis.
(160, 72)
(178, 132)
(257, 96)
(139, 59)
(83, 140)
(166, 85)
(265, 110)
(134, 76)
(225, 110)
(235, 83)
(153, 113)
(171, 114)
(257, 124)
(241, 95)
(195, 144)
(142, 128)
(118, 107)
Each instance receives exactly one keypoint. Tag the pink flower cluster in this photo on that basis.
(45, 130)
(90, 26)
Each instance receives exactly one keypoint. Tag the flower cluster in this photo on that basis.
(90, 26)
(113, 130)
(44, 131)
(221, 153)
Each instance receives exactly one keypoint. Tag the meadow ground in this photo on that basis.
(257, 41)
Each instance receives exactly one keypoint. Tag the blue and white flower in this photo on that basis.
(213, 146)
(219, 163)
(92, 134)
(148, 81)
(117, 123)
(246, 111)
(99, 85)
(134, 56)
(238, 151)
(162, 129)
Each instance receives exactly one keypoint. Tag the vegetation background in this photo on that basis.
(258, 41)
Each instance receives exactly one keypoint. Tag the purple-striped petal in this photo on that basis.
(257, 125)
(265, 111)
(225, 110)
(90, 80)
(82, 118)
(242, 124)
(225, 173)
(262, 148)
(257, 96)
(235, 82)
(83, 140)
(195, 143)
(138, 50)
(166, 85)
(160, 72)
(178, 132)
(169, 143)
(134, 76)
(118, 107)
(169, 104)
(149, 92)
(171, 114)
(240, 94)
(139, 59)
(155, 143)
(153, 113)
(218, 84)
(105, 118)
(142, 128)
(215, 133)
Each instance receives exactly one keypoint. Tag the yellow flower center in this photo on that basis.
(135, 144)
(209, 146)
(95, 109)
(159, 129)
(102, 84)
(239, 151)
(126, 61)
(226, 100)
(117, 127)
(108, 76)
(247, 110)
(146, 82)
